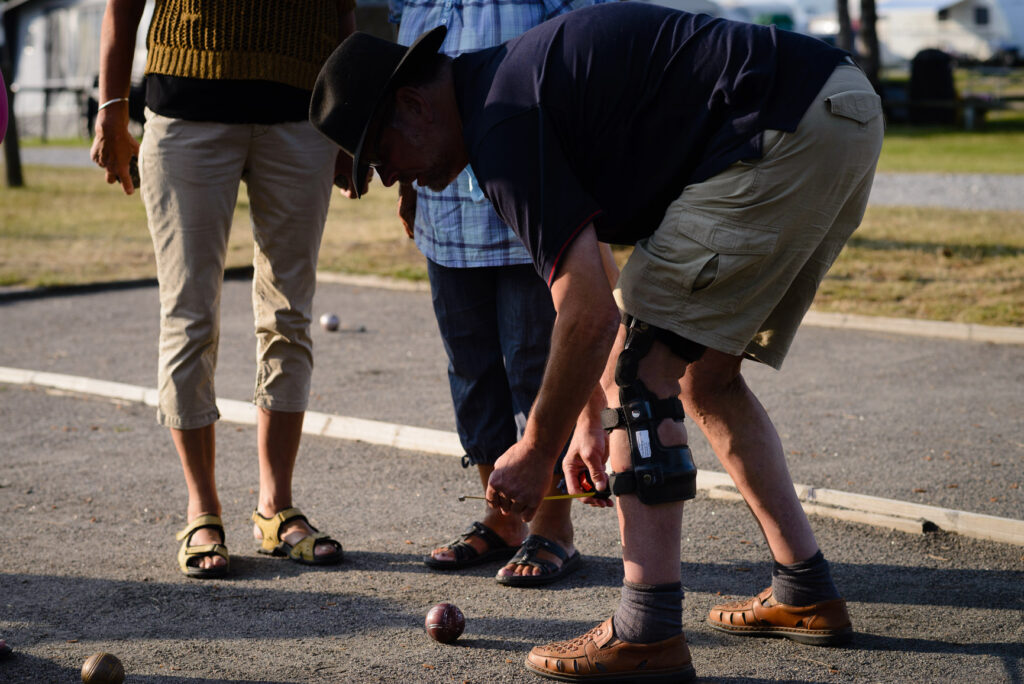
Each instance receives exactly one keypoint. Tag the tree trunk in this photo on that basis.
(12, 152)
(844, 39)
(870, 61)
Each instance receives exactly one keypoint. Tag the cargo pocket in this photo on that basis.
(860, 105)
(710, 260)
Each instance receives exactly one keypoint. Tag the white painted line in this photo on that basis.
(381, 282)
(970, 524)
(968, 332)
(892, 522)
(871, 510)
(234, 411)
(73, 383)
(710, 479)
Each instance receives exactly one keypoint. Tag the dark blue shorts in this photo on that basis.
(496, 326)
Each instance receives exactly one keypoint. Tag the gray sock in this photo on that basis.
(803, 583)
(649, 612)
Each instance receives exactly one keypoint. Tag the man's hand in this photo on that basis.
(585, 328)
(520, 479)
(588, 453)
(343, 176)
(407, 208)
(114, 147)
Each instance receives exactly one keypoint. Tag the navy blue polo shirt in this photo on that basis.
(606, 113)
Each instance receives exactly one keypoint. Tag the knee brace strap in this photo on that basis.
(613, 418)
(660, 474)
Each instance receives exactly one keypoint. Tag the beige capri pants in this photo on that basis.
(190, 177)
(737, 258)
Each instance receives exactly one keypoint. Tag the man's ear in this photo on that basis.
(414, 102)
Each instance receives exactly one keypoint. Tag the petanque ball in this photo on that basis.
(329, 322)
(445, 623)
(102, 668)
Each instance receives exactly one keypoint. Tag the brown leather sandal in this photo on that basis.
(821, 624)
(600, 656)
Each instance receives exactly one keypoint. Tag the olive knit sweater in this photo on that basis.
(285, 41)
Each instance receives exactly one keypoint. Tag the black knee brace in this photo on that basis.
(660, 474)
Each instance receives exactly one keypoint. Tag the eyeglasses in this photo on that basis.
(373, 162)
(375, 155)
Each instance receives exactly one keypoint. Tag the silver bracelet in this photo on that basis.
(110, 102)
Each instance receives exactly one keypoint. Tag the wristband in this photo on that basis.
(110, 102)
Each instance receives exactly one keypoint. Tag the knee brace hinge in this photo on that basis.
(660, 474)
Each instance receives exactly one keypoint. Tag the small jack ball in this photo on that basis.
(329, 322)
(102, 668)
(445, 623)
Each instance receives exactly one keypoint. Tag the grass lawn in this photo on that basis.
(964, 266)
(934, 264)
(997, 148)
(69, 227)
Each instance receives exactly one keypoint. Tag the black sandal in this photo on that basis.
(528, 556)
(466, 554)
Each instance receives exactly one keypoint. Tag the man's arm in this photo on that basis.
(588, 451)
(347, 19)
(585, 327)
(407, 208)
(581, 339)
(114, 146)
(591, 414)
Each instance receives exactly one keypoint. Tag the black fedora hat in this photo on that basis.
(352, 83)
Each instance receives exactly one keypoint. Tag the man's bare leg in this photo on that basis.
(197, 450)
(552, 521)
(508, 527)
(747, 444)
(650, 534)
(650, 613)
(278, 434)
(745, 441)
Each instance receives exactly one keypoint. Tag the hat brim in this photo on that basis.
(428, 42)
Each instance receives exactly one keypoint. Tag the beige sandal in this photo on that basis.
(302, 552)
(189, 556)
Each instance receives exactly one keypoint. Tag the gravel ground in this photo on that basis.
(91, 494)
(949, 190)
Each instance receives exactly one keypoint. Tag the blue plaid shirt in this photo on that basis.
(457, 227)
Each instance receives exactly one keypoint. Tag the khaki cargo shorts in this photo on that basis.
(737, 258)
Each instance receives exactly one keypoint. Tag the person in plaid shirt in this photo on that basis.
(485, 289)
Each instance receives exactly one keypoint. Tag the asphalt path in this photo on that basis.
(91, 494)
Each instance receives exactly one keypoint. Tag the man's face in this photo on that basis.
(404, 146)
